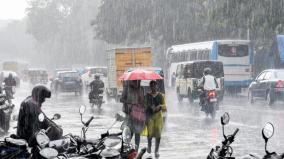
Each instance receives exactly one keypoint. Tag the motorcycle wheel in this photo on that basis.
(212, 110)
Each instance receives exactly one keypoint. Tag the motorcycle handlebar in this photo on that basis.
(89, 121)
(116, 134)
(236, 131)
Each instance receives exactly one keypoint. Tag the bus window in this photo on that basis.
(206, 55)
(233, 50)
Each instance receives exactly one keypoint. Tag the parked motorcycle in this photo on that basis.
(225, 151)
(209, 103)
(267, 133)
(6, 110)
(13, 147)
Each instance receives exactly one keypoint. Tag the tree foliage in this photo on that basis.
(184, 21)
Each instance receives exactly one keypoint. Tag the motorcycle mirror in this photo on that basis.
(82, 109)
(56, 116)
(268, 131)
(48, 152)
(225, 119)
(41, 117)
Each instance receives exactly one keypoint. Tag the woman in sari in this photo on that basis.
(133, 103)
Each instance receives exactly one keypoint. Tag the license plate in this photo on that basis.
(213, 100)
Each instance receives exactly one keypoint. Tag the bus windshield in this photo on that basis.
(228, 50)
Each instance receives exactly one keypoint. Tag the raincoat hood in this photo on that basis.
(39, 93)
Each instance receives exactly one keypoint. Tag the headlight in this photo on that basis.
(42, 139)
(48, 152)
(126, 134)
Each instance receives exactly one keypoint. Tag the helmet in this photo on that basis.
(40, 92)
(207, 71)
(97, 76)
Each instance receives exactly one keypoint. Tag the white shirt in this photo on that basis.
(209, 83)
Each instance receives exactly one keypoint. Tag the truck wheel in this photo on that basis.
(117, 99)
(107, 97)
(190, 97)
(179, 97)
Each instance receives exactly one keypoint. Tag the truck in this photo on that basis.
(120, 60)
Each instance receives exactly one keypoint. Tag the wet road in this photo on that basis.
(188, 133)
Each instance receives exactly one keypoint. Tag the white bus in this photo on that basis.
(236, 55)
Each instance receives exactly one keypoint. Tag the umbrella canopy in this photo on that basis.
(140, 74)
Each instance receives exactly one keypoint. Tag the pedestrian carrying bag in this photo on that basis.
(138, 113)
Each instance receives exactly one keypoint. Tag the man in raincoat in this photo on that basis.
(28, 122)
(155, 106)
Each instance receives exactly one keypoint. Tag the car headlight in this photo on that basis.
(126, 134)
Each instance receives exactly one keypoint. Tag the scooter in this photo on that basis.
(225, 151)
(210, 103)
(267, 133)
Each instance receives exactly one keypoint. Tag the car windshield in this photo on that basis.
(216, 67)
(280, 75)
(70, 75)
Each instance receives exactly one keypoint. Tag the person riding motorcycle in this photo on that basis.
(9, 82)
(28, 122)
(96, 86)
(208, 82)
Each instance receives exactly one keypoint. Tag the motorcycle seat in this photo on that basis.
(19, 143)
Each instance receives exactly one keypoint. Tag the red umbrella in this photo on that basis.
(140, 74)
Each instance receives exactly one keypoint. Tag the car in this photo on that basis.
(268, 85)
(188, 75)
(67, 81)
(5, 74)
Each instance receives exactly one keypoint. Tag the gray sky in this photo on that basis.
(12, 9)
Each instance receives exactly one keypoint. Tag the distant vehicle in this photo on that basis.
(89, 73)
(268, 85)
(236, 55)
(5, 74)
(37, 76)
(67, 81)
(119, 60)
(15, 66)
(188, 75)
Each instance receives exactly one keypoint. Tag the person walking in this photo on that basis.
(133, 105)
(155, 106)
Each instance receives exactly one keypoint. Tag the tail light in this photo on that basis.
(279, 84)
(132, 155)
(212, 94)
